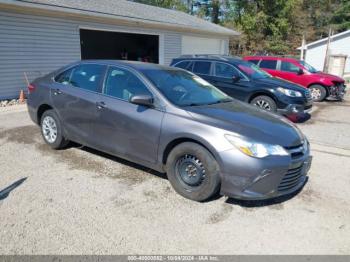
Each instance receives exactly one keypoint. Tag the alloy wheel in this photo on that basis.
(263, 104)
(49, 129)
(315, 93)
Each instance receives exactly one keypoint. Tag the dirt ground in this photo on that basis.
(80, 201)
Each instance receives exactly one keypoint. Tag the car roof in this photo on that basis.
(218, 58)
(131, 64)
(287, 59)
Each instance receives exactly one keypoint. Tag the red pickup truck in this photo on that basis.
(321, 85)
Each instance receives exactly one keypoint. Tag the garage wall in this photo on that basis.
(315, 54)
(34, 45)
(38, 45)
(203, 45)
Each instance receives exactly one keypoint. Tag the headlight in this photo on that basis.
(256, 149)
(289, 92)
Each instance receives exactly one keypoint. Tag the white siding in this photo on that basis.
(315, 55)
(203, 45)
(173, 43)
(38, 45)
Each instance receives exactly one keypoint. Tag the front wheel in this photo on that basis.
(318, 93)
(193, 172)
(51, 130)
(264, 102)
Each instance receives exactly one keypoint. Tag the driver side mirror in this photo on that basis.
(236, 78)
(300, 71)
(143, 100)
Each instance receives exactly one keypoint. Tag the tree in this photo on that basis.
(272, 26)
(170, 4)
(341, 17)
(266, 25)
(212, 10)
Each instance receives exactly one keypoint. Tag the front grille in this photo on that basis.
(297, 151)
(291, 179)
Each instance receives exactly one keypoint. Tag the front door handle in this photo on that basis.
(57, 92)
(101, 105)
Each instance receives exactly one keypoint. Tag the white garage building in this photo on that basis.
(39, 36)
(338, 50)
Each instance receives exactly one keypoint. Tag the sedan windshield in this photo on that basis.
(252, 70)
(308, 67)
(185, 89)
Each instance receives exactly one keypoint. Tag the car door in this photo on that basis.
(203, 69)
(74, 94)
(230, 80)
(124, 128)
(291, 72)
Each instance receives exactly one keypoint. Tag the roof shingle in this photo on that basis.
(128, 10)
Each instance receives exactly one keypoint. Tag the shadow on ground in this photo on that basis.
(6, 191)
(119, 160)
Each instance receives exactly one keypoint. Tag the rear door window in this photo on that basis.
(88, 76)
(289, 67)
(187, 65)
(268, 64)
(64, 77)
(202, 67)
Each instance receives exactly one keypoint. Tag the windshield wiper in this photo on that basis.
(193, 104)
(226, 100)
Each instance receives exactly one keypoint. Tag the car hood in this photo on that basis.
(250, 122)
(330, 77)
(274, 82)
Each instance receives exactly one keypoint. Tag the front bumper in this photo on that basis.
(337, 91)
(293, 105)
(295, 109)
(258, 179)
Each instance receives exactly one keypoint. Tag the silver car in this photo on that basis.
(172, 121)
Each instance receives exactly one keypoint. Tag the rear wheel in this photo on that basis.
(193, 172)
(318, 93)
(264, 102)
(51, 130)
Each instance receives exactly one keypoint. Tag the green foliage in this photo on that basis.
(341, 17)
(267, 25)
(170, 4)
(273, 26)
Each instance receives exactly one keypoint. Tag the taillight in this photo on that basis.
(31, 88)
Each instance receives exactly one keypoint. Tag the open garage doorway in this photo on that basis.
(117, 45)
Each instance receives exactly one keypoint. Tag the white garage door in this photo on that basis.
(198, 45)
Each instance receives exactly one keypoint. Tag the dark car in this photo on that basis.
(245, 81)
(172, 121)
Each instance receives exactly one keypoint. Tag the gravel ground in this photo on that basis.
(12, 102)
(80, 201)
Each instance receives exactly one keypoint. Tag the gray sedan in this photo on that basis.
(172, 121)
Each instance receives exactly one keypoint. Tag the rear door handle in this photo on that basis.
(101, 105)
(57, 92)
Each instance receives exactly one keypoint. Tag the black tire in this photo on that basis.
(59, 142)
(208, 183)
(318, 93)
(264, 102)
